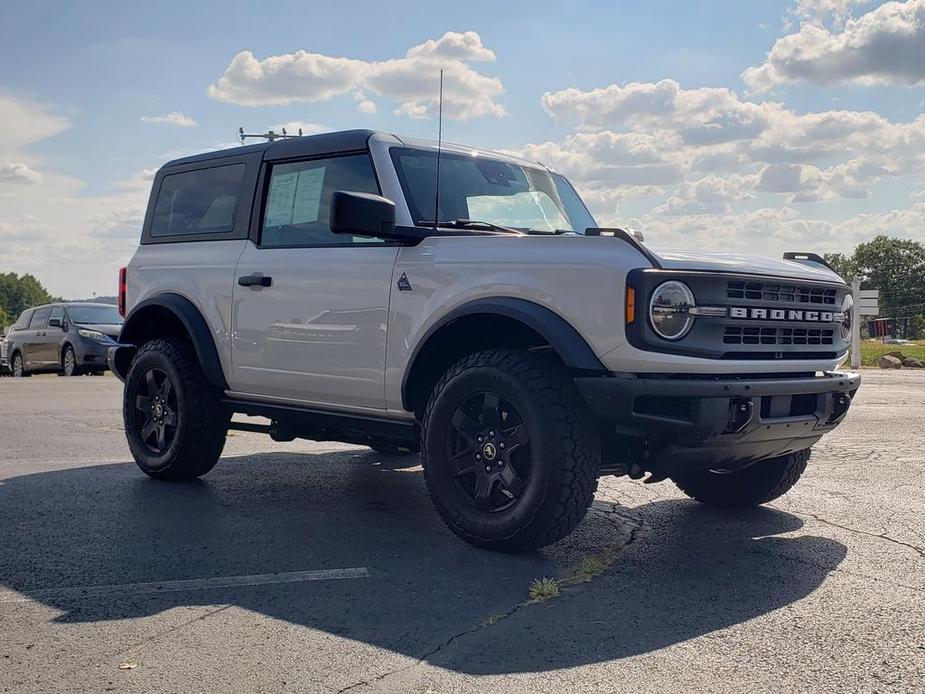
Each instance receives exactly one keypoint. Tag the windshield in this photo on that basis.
(96, 315)
(488, 190)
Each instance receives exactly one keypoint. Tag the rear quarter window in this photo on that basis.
(23, 321)
(203, 201)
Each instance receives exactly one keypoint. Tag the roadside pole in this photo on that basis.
(856, 327)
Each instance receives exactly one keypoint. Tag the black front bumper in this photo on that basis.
(681, 421)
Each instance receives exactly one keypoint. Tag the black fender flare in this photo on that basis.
(136, 327)
(567, 342)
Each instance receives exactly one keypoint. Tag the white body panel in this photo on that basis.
(203, 272)
(317, 335)
(581, 279)
(673, 259)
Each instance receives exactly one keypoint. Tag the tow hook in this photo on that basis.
(839, 407)
(740, 414)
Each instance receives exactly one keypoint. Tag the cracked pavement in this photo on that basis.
(822, 591)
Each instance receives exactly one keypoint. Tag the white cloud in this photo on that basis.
(140, 180)
(708, 195)
(732, 159)
(24, 123)
(660, 134)
(770, 231)
(824, 12)
(411, 81)
(17, 172)
(367, 106)
(466, 46)
(172, 118)
(884, 46)
(72, 241)
(608, 158)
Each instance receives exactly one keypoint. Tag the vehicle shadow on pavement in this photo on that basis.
(681, 571)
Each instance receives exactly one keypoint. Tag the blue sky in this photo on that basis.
(702, 123)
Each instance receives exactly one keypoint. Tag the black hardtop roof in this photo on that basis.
(305, 146)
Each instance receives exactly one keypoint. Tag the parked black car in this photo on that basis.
(69, 338)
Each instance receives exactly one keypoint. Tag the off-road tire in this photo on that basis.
(757, 484)
(202, 421)
(564, 453)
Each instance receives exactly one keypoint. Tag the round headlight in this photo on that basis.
(669, 310)
(847, 309)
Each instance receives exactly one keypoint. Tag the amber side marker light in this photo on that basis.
(630, 305)
(123, 286)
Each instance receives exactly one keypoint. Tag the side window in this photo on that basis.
(198, 202)
(23, 322)
(57, 312)
(298, 205)
(39, 318)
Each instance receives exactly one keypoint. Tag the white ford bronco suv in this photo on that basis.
(329, 284)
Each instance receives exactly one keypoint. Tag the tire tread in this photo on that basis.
(757, 484)
(206, 426)
(562, 405)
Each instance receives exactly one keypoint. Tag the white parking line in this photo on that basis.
(182, 585)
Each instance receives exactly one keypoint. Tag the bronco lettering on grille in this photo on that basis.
(784, 314)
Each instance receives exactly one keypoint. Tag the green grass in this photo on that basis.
(544, 589)
(871, 351)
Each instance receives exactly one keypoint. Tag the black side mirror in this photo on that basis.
(55, 323)
(362, 214)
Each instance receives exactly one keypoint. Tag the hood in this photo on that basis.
(109, 330)
(673, 259)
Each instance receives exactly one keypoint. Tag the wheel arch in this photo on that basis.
(168, 315)
(491, 323)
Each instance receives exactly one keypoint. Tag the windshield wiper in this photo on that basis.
(468, 224)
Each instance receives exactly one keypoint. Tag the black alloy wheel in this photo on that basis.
(488, 449)
(509, 450)
(174, 420)
(156, 411)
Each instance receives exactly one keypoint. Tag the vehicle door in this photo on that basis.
(310, 306)
(34, 345)
(54, 335)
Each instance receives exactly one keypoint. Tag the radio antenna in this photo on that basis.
(439, 148)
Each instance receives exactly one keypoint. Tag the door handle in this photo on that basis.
(255, 281)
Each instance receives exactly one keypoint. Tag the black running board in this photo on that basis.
(297, 422)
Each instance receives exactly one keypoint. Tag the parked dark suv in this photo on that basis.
(70, 338)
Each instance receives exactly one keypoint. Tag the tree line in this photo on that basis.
(17, 293)
(897, 268)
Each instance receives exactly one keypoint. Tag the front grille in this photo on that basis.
(767, 318)
(778, 336)
(785, 293)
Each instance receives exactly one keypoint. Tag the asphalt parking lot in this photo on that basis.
(309, 567)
